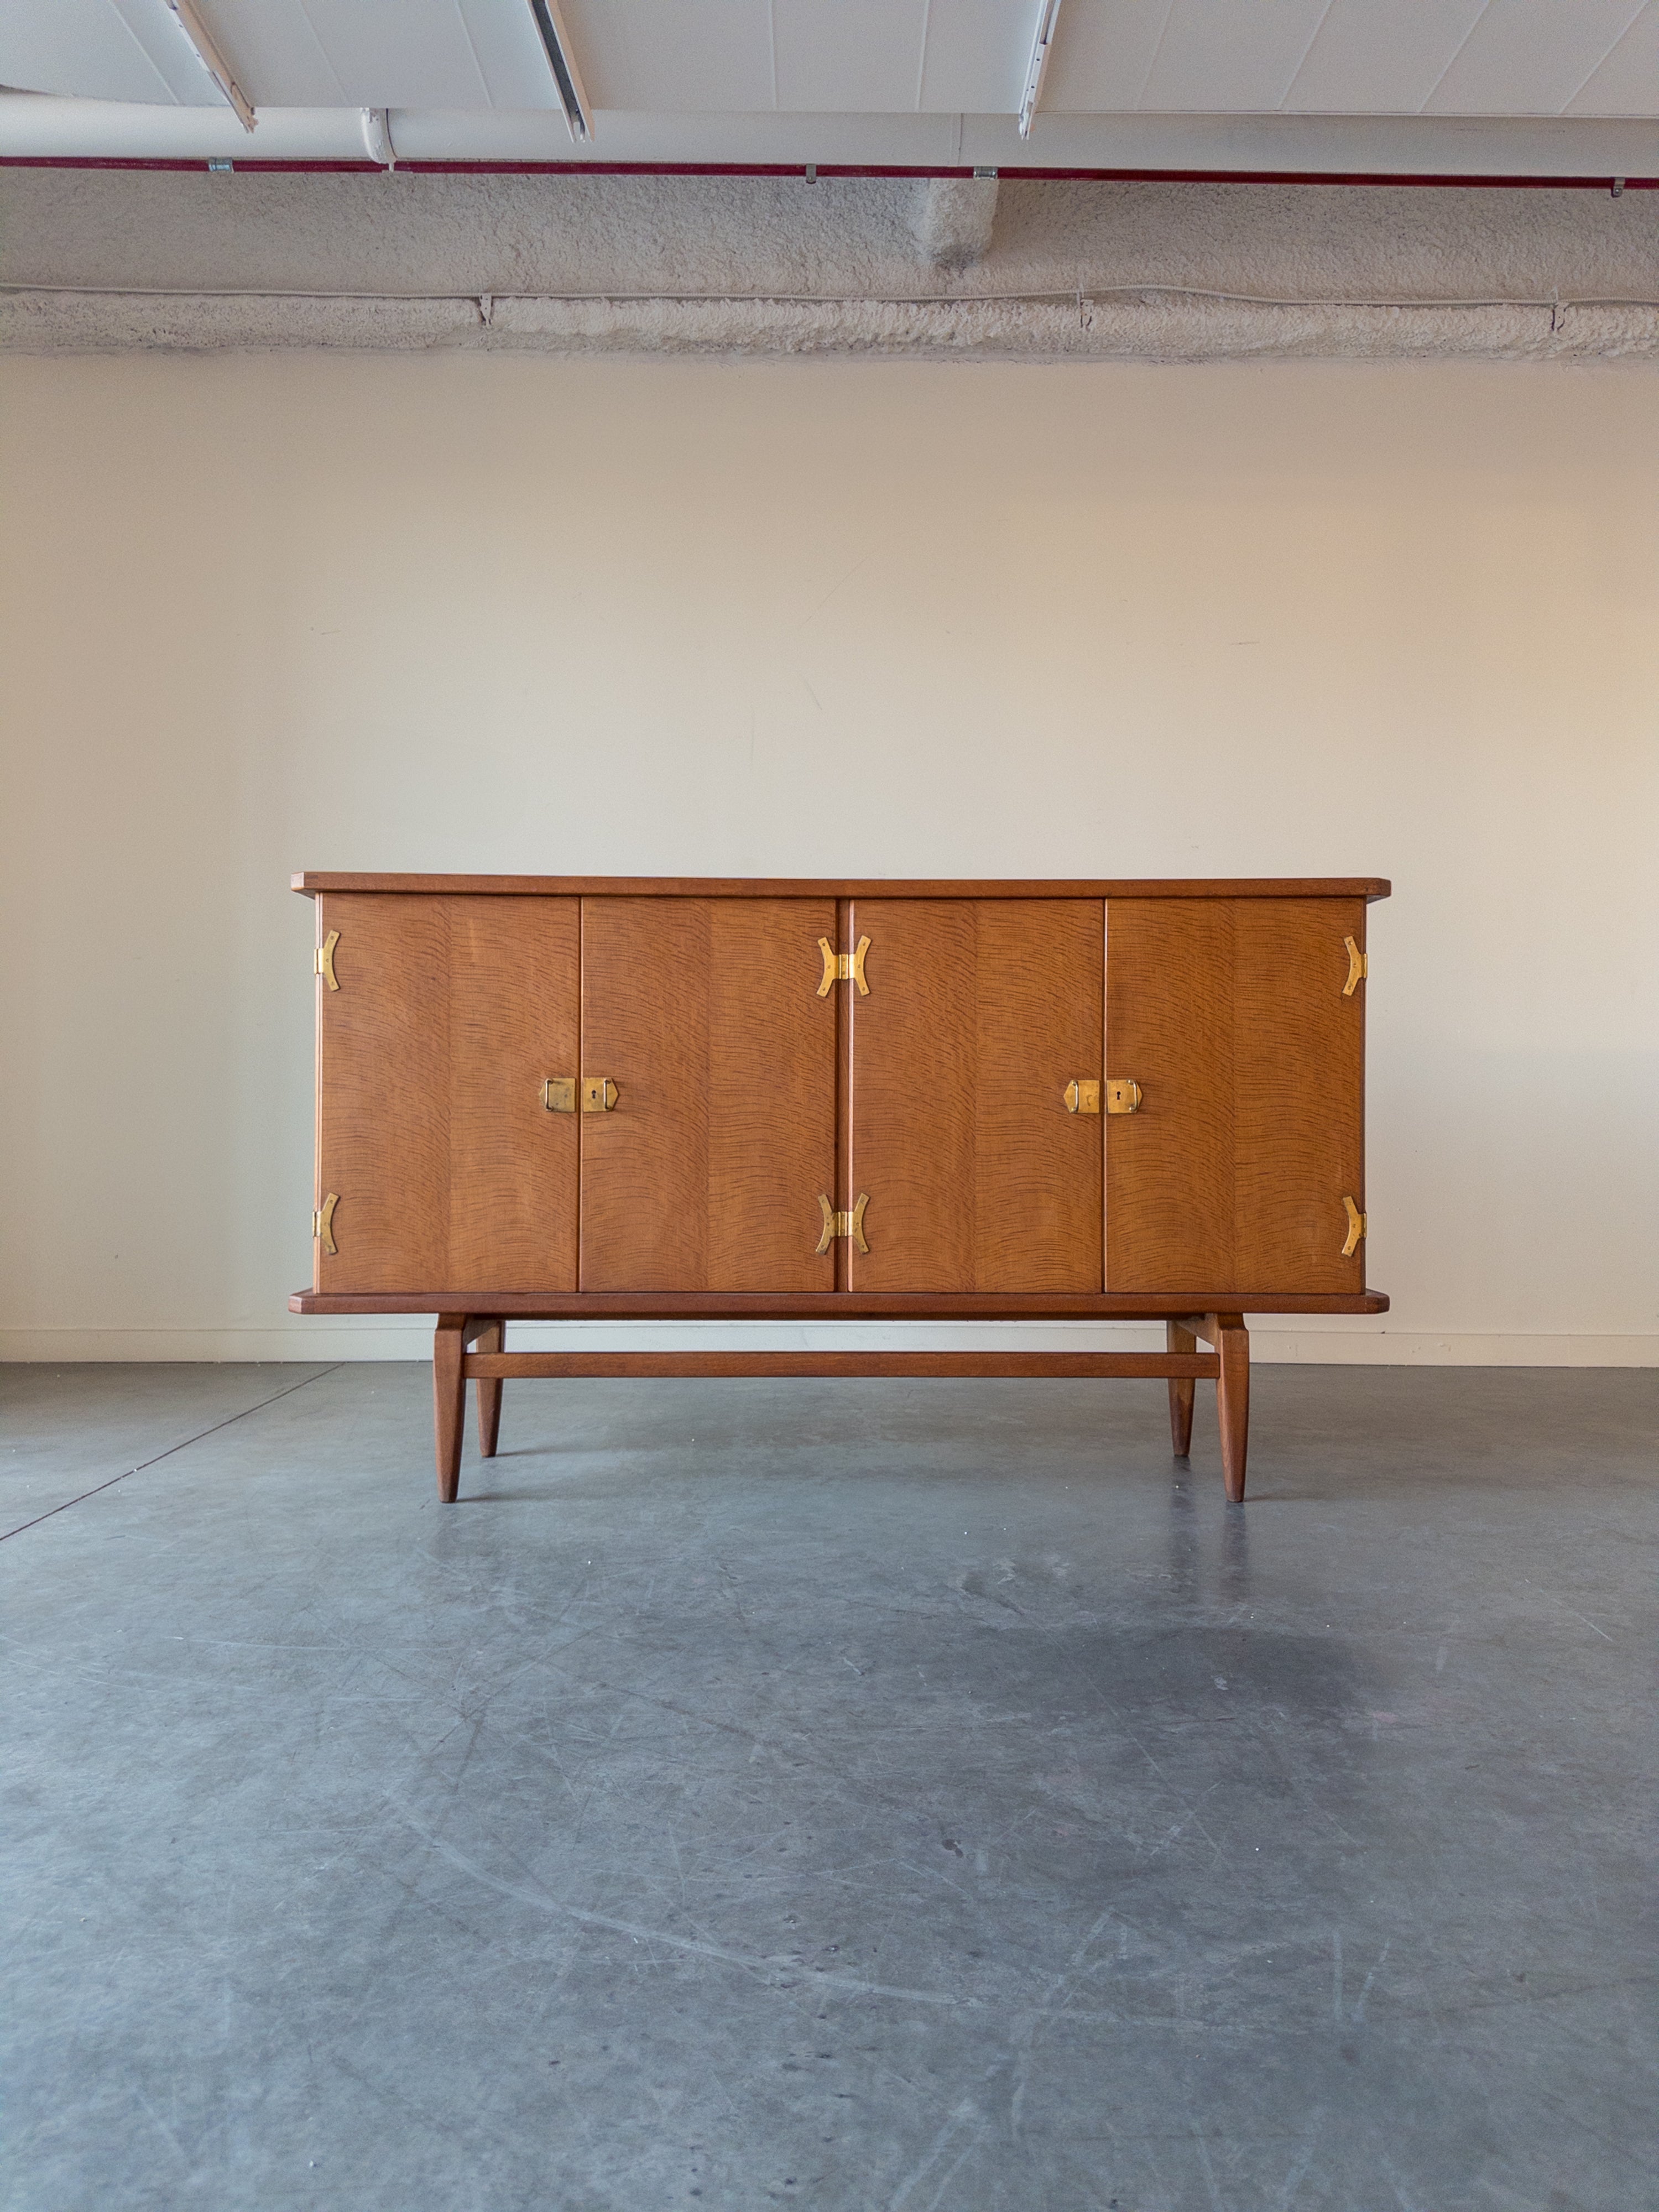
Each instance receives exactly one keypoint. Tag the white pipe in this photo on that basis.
(377, 137)
(40, 127)
(34, 125)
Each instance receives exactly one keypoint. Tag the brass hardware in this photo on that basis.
(1122, 1095)
(322, 1224)
(323, 963)
(843, 967)
(559, 1094)
(1359, 966)
(1081, 1096)
(598, 1094)
(1356, 1229)
(841, 1225)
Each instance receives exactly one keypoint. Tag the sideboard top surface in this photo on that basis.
(1344, 887)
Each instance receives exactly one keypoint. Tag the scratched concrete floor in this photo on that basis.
(878, 1796)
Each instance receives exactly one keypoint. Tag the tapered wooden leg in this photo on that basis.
(1181, 1392)
(491, 1338)
(1232, 1398)
(449, 1399)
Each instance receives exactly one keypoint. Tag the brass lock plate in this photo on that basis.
(559, 1094)
(1122, 1095)
(1081, 1095)
(598, 1094)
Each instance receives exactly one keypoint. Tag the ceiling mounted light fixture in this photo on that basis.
(205, 48)
(562, 60)
(1036, 68)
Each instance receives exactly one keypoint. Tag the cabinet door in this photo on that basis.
(1229, 1014)
(451, 1175)
(979, 1014)
(705, 1174)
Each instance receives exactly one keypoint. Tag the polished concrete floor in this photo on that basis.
(891, 1797)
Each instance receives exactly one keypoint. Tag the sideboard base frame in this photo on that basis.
(1227, 1364)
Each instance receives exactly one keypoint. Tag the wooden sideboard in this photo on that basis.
(552, 1097)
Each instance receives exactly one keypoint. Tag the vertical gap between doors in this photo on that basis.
(846, 920)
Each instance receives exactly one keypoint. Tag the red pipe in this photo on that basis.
(822, 170)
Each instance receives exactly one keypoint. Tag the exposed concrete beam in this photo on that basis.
(101, 260)
(951, 220)
(1173, 329)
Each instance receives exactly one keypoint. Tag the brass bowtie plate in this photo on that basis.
(1356, 1229)
(1122, 1095)
(323, 963)
(322, 1223)
(598, 1094)
(559, 1094)
(841, 1225)
(843, 967)
(1359, 966)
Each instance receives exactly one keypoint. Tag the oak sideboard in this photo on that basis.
(557, 1097)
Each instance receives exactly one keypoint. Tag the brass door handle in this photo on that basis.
(598, 1094)
(559, 1094)
(1082, 1096)
(1356, 1229)
(1122, 1095)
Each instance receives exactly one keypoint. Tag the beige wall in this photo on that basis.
(262, 613)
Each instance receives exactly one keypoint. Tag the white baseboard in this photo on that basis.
(1356, 1343)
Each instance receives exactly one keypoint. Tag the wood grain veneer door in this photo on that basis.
(451, 1176)
(705, 1176)
(979, 1013)
(1229, 1014)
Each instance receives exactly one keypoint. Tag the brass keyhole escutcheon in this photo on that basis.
(1122, 1095)
(598, 1094)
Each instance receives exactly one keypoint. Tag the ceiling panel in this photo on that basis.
(278, 58)
(1530, 57)
(157, 29)
(1627, 82)
(507, 50)
(1380, 56)
(1103, 55)
(848, 56)
(976, 58)
(672, 56)
(130, 50)
(80, 46)
(1219, 55)
(400, 53)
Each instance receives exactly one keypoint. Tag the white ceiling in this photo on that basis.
(1570, 58)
